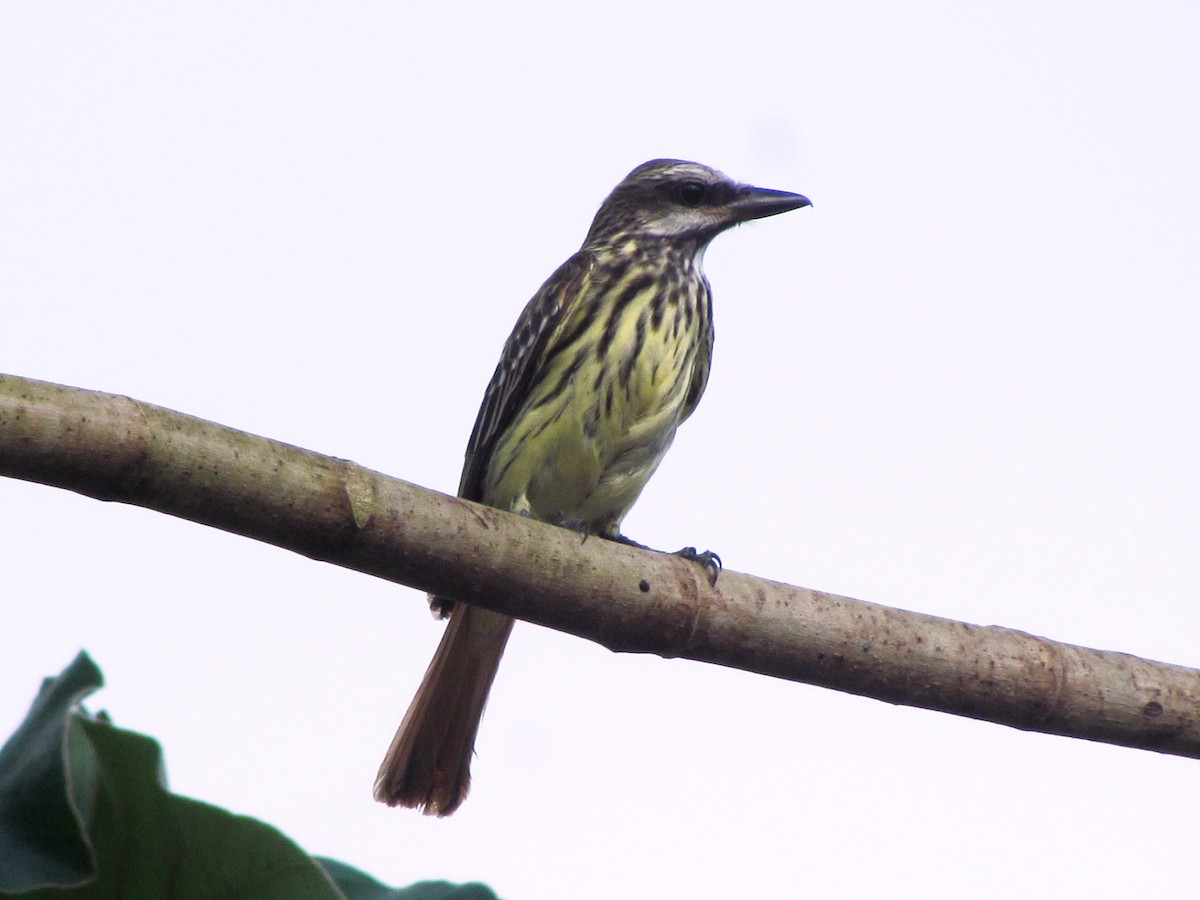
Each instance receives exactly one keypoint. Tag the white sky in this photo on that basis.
(965, 382)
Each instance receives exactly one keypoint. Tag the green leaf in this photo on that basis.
(154, 844)
(357, 885)
(83, 805)
(41, 835)
(85, 813)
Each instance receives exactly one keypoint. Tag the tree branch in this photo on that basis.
(115, 448)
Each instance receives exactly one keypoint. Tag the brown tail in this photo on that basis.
(428, 764)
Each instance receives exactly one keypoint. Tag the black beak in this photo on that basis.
(757, 203)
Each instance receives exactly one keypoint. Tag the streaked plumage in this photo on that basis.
(606, 360)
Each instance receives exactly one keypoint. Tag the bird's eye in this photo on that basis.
(691, 193)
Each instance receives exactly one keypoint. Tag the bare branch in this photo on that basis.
(114, 448)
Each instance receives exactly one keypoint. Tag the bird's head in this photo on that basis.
(678, 200)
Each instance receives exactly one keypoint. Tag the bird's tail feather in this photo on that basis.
(428, 763)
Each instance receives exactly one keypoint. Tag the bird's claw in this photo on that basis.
(707, 560)
(579, 526)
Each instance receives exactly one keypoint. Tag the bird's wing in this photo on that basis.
(704, 357)
(524, 353)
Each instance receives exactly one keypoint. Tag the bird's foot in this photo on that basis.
(579, 526)
(629, 542)
(707, 560)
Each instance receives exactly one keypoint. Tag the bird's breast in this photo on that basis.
(604, 414)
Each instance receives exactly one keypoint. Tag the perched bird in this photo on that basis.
(606, 360)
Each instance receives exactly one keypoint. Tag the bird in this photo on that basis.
(607, 359)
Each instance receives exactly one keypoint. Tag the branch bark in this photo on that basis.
(118, 449)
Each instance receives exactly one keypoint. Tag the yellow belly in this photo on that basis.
(583, 451)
